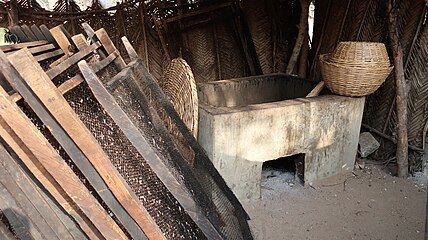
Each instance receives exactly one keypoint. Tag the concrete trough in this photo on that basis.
(248, 121)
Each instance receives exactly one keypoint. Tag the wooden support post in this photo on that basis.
(13, 13)
(401, 92)
(303, 30)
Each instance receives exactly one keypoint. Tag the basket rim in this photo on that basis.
(323, 59)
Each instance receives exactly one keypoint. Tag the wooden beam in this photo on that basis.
(55, 103)
(11, 47)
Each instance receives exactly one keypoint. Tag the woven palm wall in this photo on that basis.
(366, 20)
(273, 28)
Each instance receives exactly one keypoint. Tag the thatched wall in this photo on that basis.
(257, 37)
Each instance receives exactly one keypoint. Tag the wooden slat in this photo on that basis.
(129, 49)
(18, 46)
(80, 160)
(37, 32)
(39, 49)
(62, 40)
(47, 34)
(29, 33)
(20, 34)
(48, 55)
(48, 183)
(55, 103)
(5, 233)
(109, 47)
(143, 147)
(23, 228)
(24, 202)
(57, 70)
(40, 148)
(76, 80)
(80, 41)
(49, 218)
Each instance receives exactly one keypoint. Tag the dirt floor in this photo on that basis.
(369, 204)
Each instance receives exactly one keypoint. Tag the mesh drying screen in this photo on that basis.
(208, 188)
(159, 202)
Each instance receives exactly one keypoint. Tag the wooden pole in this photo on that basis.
(13, 13)
(303, 30)
(401, 92)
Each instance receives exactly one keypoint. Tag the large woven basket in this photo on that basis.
(178, 83)
(360, 54)
(351, 80)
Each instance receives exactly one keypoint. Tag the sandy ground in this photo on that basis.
(370, 204)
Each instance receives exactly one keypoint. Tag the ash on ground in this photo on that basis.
(275, 181)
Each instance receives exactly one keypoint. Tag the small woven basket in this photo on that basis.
(351, 80)
(360, 54)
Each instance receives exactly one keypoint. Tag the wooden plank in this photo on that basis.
(23, 183)
(80, 160)
(37, 32)
(62, 40)
(144, 148)
(18, 46)
(24, 202)
(54, 72)
(109, 47)
(317, 89)
(39, 49)
(43, 152)
(5, 233)
(48, 55)
(76, 80)
(80, 41)
(48, 183)
(129, 49)
(56, 104)
(47, 34)
(29, 33)
(20, 34)
(23, 228)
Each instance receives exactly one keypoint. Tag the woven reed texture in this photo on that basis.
(203, 54)
(231, 60)
(178, 83)
(261, 31)
(351, 80)
(362, 54)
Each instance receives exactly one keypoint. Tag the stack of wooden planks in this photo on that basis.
(76, 164)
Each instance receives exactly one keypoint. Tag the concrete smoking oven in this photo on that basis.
(248, 121)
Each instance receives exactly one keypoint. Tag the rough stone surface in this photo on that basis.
(238, 139)
(367, 144)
